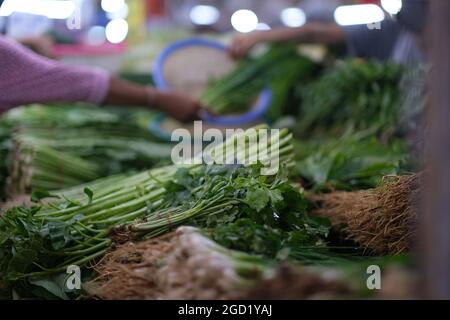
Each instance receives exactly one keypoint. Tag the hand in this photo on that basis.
(178, 106)
(241, 45)
(41, 45)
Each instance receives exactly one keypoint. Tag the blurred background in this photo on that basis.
(83, 29)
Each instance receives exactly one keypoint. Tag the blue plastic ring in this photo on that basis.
(259, 108)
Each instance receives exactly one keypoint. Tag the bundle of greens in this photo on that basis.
(184, 264)
(62, 116)
(357, 93)
(83, 222)
(57, 158)
(54, 147)
(41, 167)
(355, 161)
(281, 68)
(58, 115)
(383, 220)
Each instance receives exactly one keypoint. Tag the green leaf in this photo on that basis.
(55, 285)
(40, 194)
(257, 198)
(184, 178)
(275, 196)
(89, 193)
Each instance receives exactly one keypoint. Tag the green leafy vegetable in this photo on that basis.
(356, 93)
(355, 161)
(281, 68)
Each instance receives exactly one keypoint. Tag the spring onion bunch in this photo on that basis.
(41, 167)
(55, 147)
(57, 158)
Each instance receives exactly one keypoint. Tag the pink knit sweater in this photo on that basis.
(26, 77)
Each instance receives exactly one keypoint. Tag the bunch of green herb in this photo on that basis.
(54, 147)
(242, 210)
(216, 195)
(354, 161)
(281, 68)
(32, 259)
(56, 158)
(41, 167)
(357, 93)
(58, 115)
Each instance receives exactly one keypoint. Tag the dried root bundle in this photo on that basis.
(179, 265)
(129, 272)
(382, 220)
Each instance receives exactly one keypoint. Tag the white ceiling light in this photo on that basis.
(392, 6)
(244, 21)
(112, 5)
(120, 14)
(116, 30)
(204, 15)
(293, 17)
(51, 9)
(358, 14)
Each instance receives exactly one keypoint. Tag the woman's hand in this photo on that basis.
(241, 45)
(41, 45)
(179, 106)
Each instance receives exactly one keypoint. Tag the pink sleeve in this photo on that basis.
(26, 77)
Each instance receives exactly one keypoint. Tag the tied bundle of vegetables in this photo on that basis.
(51, 147)
(245, 211)
(281, 68)
(355, 161)
(181, 265)
(63, 116)
(382, 220)
(357, 93)
(119, 149)
(186, 264)
(40, 167)
(74, 115)
(83, 223)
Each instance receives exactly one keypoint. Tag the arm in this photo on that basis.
(326, 33)
(125, 93)
(29, 78)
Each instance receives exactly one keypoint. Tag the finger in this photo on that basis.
(232, 52)
(235, 49)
